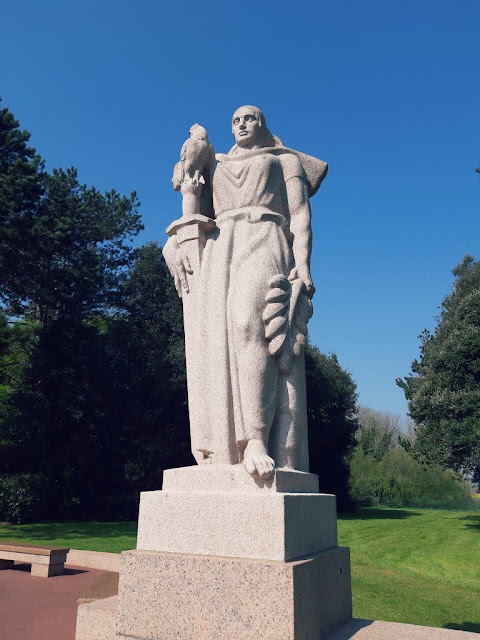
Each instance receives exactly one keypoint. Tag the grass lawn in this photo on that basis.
(114, 537)
(420, 566)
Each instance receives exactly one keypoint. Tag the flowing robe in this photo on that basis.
(236, 392)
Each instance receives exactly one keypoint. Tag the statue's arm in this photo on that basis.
(301, 228)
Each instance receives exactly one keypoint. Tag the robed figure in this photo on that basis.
(240, 256)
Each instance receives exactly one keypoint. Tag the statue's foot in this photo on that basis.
(207, 458)
(257, 461)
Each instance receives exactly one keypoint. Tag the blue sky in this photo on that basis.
(386, 92)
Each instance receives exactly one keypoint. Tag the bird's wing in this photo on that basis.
(183, 150)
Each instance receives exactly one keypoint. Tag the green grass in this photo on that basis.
(114, 537)
(420, 566)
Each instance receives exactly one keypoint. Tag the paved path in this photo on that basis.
(46, 608)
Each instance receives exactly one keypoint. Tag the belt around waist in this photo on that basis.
(252, 214)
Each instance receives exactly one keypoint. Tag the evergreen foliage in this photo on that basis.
(444, 388)
(102, 407)
(331, 403)
(21, 188)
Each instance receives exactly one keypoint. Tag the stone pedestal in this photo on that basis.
(164, 596)
(222, 511)
(221, 555)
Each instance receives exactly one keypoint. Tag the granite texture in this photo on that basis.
(99, 624)
(359, 629)
(232, 478)
(94, 560)
(19, 556)
(268, 526)
(164, 596)
(240, 258)
(36, 550)
(97, 620)
(46, 562)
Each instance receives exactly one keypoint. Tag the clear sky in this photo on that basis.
(386, 92)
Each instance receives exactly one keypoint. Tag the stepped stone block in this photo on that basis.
(164, 596)
(224, 512)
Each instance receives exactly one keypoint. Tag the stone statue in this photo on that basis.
(240, 256)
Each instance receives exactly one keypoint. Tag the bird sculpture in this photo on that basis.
(196, 154)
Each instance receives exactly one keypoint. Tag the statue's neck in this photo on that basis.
(247, 148)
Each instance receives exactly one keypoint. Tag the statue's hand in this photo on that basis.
(303, 272)
(178, 264)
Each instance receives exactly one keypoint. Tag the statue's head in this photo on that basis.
(249, 128)
(198, 132)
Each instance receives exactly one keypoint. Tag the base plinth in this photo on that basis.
(223, 511)
(221, 555)
(164, 596)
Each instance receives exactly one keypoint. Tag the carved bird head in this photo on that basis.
(198, 132)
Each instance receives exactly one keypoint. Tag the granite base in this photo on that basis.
(223, 511)
(163, 596)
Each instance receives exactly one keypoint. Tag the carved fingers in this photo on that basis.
(178, 264)
(303, 272)
(182, 267)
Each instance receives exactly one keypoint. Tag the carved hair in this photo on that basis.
(267, 139)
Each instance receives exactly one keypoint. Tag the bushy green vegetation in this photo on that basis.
(397, 479)
(382, 472)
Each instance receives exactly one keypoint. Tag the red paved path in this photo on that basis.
(46, 608)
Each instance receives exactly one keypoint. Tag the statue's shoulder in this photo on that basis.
(291, 163)
(313, 168)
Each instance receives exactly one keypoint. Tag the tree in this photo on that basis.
(378, 431)
(102, 407)
(21, 188)
(444, 388)
(17, 341)
(331, 404)
(156, 413)
(63, 245)
(79, 247)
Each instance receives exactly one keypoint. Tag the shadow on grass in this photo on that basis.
(463, 626)
(374, 513)
(471, 522)
(69, 530)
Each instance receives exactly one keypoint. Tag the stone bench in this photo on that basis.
(45, 561)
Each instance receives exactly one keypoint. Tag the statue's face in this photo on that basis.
(245, 127)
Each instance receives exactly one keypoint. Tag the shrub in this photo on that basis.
(24, 497)
(398, 479)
